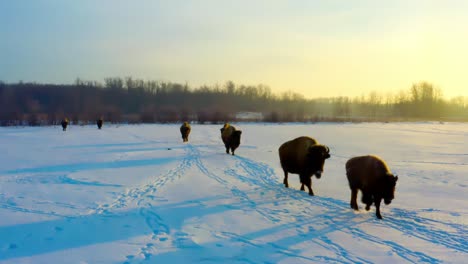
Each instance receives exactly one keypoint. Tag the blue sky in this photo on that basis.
(317, 48)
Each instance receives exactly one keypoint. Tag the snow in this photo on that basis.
(137, 194)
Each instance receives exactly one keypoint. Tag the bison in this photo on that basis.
(185, 131)
(303, 156)
(64, 124)
(231, 137)
(99, 123)
(372, 176)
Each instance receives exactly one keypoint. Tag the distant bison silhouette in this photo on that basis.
(303, 156)
(185, 131)
(372, 176)
(64, 124)
(99, 123)
(231, 137)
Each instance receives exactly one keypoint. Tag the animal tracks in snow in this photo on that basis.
(191, 202)
(318, 219)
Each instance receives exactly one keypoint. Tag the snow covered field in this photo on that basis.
(132, 194)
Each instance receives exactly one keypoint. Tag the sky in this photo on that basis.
(316, 48)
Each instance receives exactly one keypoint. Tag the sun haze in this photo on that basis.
(316, 48)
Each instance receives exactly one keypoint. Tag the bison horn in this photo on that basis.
(327, 149)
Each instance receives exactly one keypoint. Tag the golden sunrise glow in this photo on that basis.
(316, 48)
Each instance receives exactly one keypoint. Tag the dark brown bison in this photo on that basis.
(231, 137)
(64, 124)
(185, 131)
(303, 156)
(99, 123)
(372, 176)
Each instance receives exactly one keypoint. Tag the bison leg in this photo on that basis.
(301, 179)
(232, 151)
(377, 201)
(308, 182)
(285, 181)
(353, 202)
(367, 199)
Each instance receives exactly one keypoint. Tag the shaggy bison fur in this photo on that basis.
(99, 123)
(372, 176)
(303, 156)
(231, 137)
(64, 124)
(185, 131)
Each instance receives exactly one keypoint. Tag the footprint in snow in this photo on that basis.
(184, 241)
(147, 255)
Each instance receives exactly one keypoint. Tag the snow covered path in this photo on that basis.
(133, 194)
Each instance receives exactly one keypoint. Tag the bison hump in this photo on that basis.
(295, 151)
(227, 131)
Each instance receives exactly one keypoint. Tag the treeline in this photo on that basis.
(137, 101)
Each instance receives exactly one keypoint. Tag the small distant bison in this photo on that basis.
(185, 131)
(303, 156)
(64, 124)
(231, 137)
(99, 123)
(372, 176)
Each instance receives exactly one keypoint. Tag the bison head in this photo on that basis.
(389, 188)
(316, 157)
(226, 125)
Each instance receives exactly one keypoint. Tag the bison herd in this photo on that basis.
(306, 157)
(65, 122)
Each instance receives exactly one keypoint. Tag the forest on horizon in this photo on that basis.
(128, 100)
